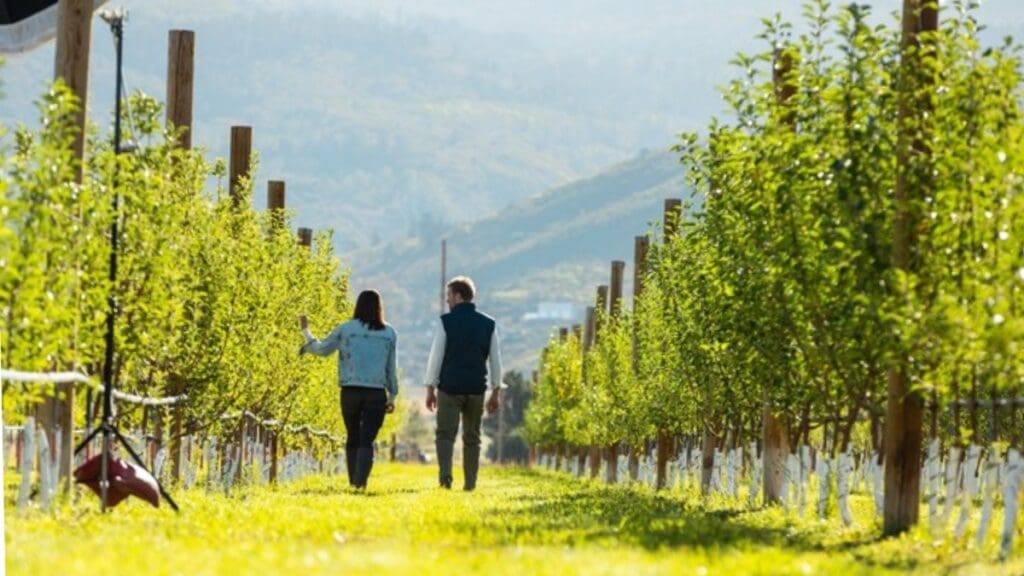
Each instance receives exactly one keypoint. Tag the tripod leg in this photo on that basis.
(128, 447)
(81, 445)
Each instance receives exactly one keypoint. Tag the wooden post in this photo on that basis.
(273, 457)
(306, 237)
(71, 63)
(904, 413)
(444, 276)
(774, 426)
(614, 308)
(180, 69)
(275, 203)
(240, 161)
(66, 418)
(589, 334)
(615, 290)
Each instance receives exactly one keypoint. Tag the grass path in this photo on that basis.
(518, 522)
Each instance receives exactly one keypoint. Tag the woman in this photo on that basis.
(366, 347)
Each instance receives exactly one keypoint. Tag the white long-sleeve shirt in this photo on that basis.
(433, 376)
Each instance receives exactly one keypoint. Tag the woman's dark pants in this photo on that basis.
(363, 412)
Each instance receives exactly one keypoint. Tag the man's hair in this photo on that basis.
(370, 310)
(463, 286)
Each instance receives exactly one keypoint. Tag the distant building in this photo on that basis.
(553, 311)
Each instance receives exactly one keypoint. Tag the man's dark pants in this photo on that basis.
(450, 409)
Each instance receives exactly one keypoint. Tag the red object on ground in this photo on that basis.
(126, 479)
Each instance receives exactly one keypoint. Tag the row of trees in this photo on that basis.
(853, 263)
(208, 289)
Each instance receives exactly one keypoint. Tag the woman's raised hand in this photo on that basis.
(303, 322)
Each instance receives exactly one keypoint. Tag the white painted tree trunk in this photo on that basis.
(716, 472)
(970, 479)
(804, 478)
(1011, 500)
(755, 475)
(933, 477)
(28, 461)
(45, 470)
(844, 478)
(989, 484)
(824, 473)
(790, 482)
(952, 484)
(878, 470)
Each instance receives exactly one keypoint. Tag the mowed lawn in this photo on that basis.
(518, 522)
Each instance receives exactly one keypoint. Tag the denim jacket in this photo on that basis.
(366, 358)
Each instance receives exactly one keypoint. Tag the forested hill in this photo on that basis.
(554, 246)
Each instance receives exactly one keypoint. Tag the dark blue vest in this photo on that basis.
(467, 347)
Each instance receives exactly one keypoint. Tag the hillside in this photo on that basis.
(555, 246)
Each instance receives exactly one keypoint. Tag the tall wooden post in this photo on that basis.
(640, 246)
(589, 334)
(905, 410)
(273, 456)
(275, 203)
(444, 276)
(774, 426)
(71, 64)
(614, 308)
(240, 162)
(180, 71)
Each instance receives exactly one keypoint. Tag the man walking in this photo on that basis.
(463, 358)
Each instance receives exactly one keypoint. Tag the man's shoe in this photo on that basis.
(469, 488)
(446, 483)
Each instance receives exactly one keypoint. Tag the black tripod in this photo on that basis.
(107, 428)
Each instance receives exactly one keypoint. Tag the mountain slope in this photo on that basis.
(556, 247)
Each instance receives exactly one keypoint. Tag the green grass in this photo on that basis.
(518, 522)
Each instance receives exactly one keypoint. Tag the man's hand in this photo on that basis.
(303, 322)
(431, 399)
(389, 407)
(493, 403)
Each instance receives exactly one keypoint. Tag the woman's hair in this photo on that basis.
(370, 310)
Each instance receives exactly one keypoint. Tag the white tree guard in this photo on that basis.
(159, 462)
(844, 477)
(967, 495)
(878, 486)
(790, 481)
(952, 484)
(188, 467)
(755, 475)
(824, 473)
(803, 478)
(932, 466)
(696, 466)
(28, 461)
(716, 472)
(209, 461)
(46, 476)
(1011, 500)
(622, 469)
(989, 485)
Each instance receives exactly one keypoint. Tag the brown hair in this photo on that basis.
(463, 286)
(370, 309)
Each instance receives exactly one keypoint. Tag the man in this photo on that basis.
(463, 358)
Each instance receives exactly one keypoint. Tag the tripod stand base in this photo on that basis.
(133, 480)
(125, 479)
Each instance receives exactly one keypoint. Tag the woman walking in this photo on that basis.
(366, 347)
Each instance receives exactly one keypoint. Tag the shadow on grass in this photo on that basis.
(619, 516)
